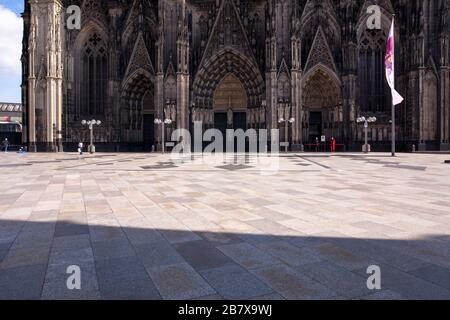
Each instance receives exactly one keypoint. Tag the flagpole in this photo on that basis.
(393, 106)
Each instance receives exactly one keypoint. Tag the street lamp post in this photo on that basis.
(366, 122)
(91, 124)
(163, 123)
(286, 133)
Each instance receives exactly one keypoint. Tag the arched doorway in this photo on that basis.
(230, 104)
(323, 114)
(228, 68)
(137, 112)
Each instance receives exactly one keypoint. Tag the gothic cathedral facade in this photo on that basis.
(236, 64)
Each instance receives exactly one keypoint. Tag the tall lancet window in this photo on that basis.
(94, 76)
(372, 83)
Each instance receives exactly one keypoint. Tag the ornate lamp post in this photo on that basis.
(163, 123)
(91, 124)
(283, 104)
(264, 106)
(366, 122)
(286, 133)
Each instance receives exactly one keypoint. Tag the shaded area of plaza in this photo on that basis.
(144, 226)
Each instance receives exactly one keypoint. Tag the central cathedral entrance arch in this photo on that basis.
(322, 104)
(230, 104)
(229, 85)
(228, 72)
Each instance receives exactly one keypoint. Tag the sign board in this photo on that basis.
(323, 139)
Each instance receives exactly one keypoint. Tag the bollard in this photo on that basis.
(413, 148)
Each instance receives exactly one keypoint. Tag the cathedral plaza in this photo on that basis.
(326, 176)
(151, 226)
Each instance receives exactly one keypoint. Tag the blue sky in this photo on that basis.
(14, 5)
(10, 47)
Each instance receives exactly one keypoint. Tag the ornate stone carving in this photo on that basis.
(320, 53)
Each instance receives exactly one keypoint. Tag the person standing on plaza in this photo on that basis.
(317, 144)
(80, 148)
(6, 144)
(333, 144)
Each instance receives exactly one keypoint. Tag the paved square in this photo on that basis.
(147, 226)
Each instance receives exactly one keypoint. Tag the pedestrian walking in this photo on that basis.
(317, 144)
(6, 144)
(80, 148)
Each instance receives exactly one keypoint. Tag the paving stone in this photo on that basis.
(22, 283)
(158, 254)
(55, 285)
(273, 296)
(342, 257)
(71, 242)
(180, 236)
(142, 235)
(219, 238)
(291, 284)
(115, 248)
(112, 270)
(135, 289)
(434, 274)
(210, 297)
(290, 254)
(248, 256)
(235, 283)
(381, 254)
(202, 255)
(383, 295)
(102, 233)
(409, 286)
(25, 257)
(64, 228)
(4, 247)
(338, 279)
(179, 282)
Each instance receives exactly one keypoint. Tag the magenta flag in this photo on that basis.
(390, 66)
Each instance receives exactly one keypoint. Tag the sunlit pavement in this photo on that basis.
(298, 226)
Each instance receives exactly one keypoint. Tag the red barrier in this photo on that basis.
(323, 147)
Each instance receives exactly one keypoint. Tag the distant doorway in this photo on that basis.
(148, 132)
(220, 122)
(315, 126)
(240, 120)
(322, 99)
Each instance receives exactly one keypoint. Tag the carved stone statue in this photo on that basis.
(230, 117)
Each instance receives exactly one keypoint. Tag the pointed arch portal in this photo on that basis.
(322, 103)
(217, 67)
(137, 113)
(230, 94)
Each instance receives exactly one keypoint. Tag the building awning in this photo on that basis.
(11, 119)
(7, 126)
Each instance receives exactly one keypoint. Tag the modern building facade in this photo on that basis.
(234, 64)
(11, 123)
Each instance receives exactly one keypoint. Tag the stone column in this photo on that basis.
(444, 92)
(46, 71)
(159, 78)
(296, 89)
(183, 70)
